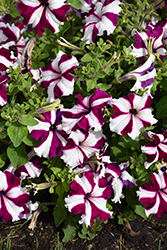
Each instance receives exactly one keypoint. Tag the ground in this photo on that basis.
(138, 234)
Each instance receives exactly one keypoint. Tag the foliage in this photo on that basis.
(100, 66)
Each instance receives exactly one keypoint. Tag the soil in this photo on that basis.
(139, 234)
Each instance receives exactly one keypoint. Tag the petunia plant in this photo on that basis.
(83, 111)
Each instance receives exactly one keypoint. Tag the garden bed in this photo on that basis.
(144, 234)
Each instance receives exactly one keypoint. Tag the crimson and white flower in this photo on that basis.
(156, 149)
(148, 42)
(86, 113)
(14, 200)
(81, 146)
(109, 173)
(87, 5)
(49, 132)
(144, 76)
(12, 45)
(119, 178)
(56, 77)
(31, 169)
(43, 14)
(4, 79)
(88, 199)
(131, 114)
(102, 18)
(154, 195)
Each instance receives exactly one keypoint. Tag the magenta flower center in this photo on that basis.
(52, 127)
(2, 192)
(163, 169)
(44, 3)
(87, 196)
(133, 111)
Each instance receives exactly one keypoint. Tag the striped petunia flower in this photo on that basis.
(144, 76)
(43, 14)
(86, 113)
(102, 18)
(154, 195)
(88, 199)
(156, 148)
(12, 45)
(81, 146)
(31, 169)
(14, 200)
(56, 77)
(50, 134)
(118, 178)
(148, 42)
(110, 174)
(131, 114)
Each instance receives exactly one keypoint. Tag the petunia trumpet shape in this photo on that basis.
(86, 113)
(14, 201)
(154, 195)
(56, 77)
(148, 42)
(88, 199)
(144, 76)
(156, 149)
(131, 114)
(81, 146)
(102, 18)
(43, 14)
(49, 132)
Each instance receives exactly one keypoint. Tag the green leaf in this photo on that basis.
(3, 158)
(69, 230)
(89, 57)
(140, 210)
(59, 212)
(66, 186)
(30, 141)
(56, 170)
(75, 4)
(17, 133)
(17, 156)
(60, 189)
(28, 120)
(91, 84)
(2, 135)
(103, 86)
(162, 107)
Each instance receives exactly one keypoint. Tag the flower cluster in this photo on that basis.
(74, 120)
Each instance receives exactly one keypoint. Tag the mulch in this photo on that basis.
(139, 234)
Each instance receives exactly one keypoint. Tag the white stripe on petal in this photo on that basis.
(86, 218)
(154, 209)
(40, 126)
(100, 101)
(163, 147)
(44, 148)
(15, 192)
(3, 182)
(36, 16)
(32, 3)
(119, 123)
(123, 104)
(74, 200)
(12, 209)
(84, 183)
(143, 193)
